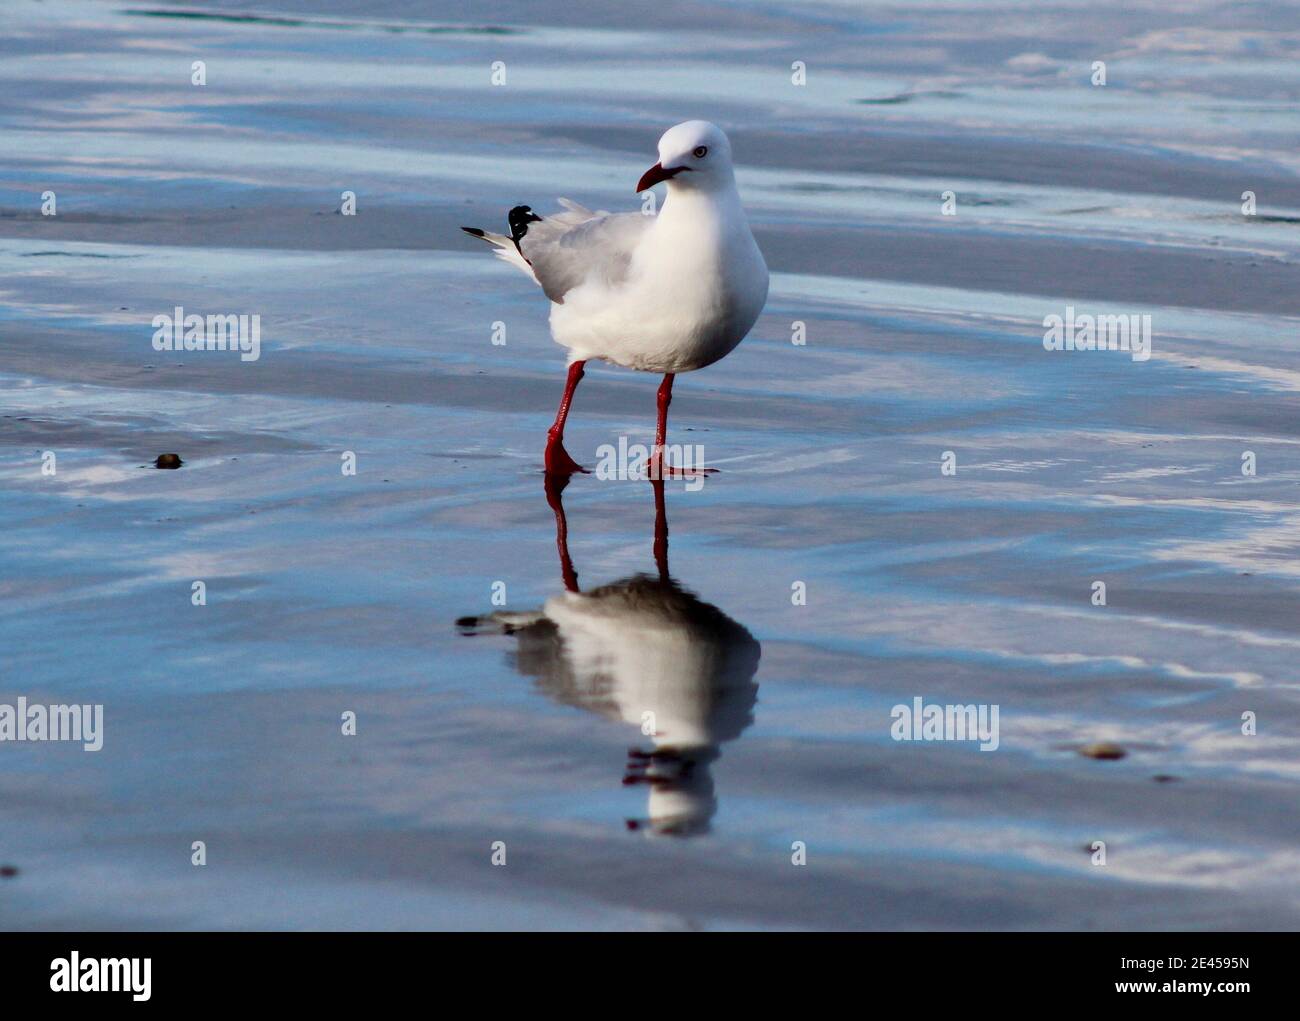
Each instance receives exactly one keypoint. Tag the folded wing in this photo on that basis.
(567, 249)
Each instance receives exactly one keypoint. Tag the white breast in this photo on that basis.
(696, 286)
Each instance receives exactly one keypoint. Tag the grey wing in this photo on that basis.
(577, 246)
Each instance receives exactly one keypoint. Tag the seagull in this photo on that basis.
(664, 293)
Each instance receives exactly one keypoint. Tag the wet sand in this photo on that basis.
(329, 593)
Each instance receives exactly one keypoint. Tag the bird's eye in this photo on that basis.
(701, 151)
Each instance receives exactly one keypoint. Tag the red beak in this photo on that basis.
(656, 174)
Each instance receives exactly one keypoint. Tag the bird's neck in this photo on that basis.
(717, 208)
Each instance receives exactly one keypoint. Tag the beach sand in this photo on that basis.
(329, 593)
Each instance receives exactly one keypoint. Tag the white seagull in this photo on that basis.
(666, 293)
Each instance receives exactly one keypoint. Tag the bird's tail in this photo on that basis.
(507, 248)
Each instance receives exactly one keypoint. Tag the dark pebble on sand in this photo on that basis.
(168, 461)
(1103, 750)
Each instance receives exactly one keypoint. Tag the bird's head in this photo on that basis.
(695, 154)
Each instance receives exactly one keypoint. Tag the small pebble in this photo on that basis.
(168, 461)
(1103, 750)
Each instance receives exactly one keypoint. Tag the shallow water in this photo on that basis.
(329, 593)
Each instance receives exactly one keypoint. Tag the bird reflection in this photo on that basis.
(645, 652)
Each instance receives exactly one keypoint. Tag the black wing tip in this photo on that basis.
(475, 232)
(519, 218)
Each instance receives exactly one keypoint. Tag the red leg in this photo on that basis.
(663, 399)
(656, 469)
(558, 461)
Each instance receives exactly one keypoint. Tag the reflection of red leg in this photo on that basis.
(558, 461)
(656, 469)
(554, 487)
(661, 531)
